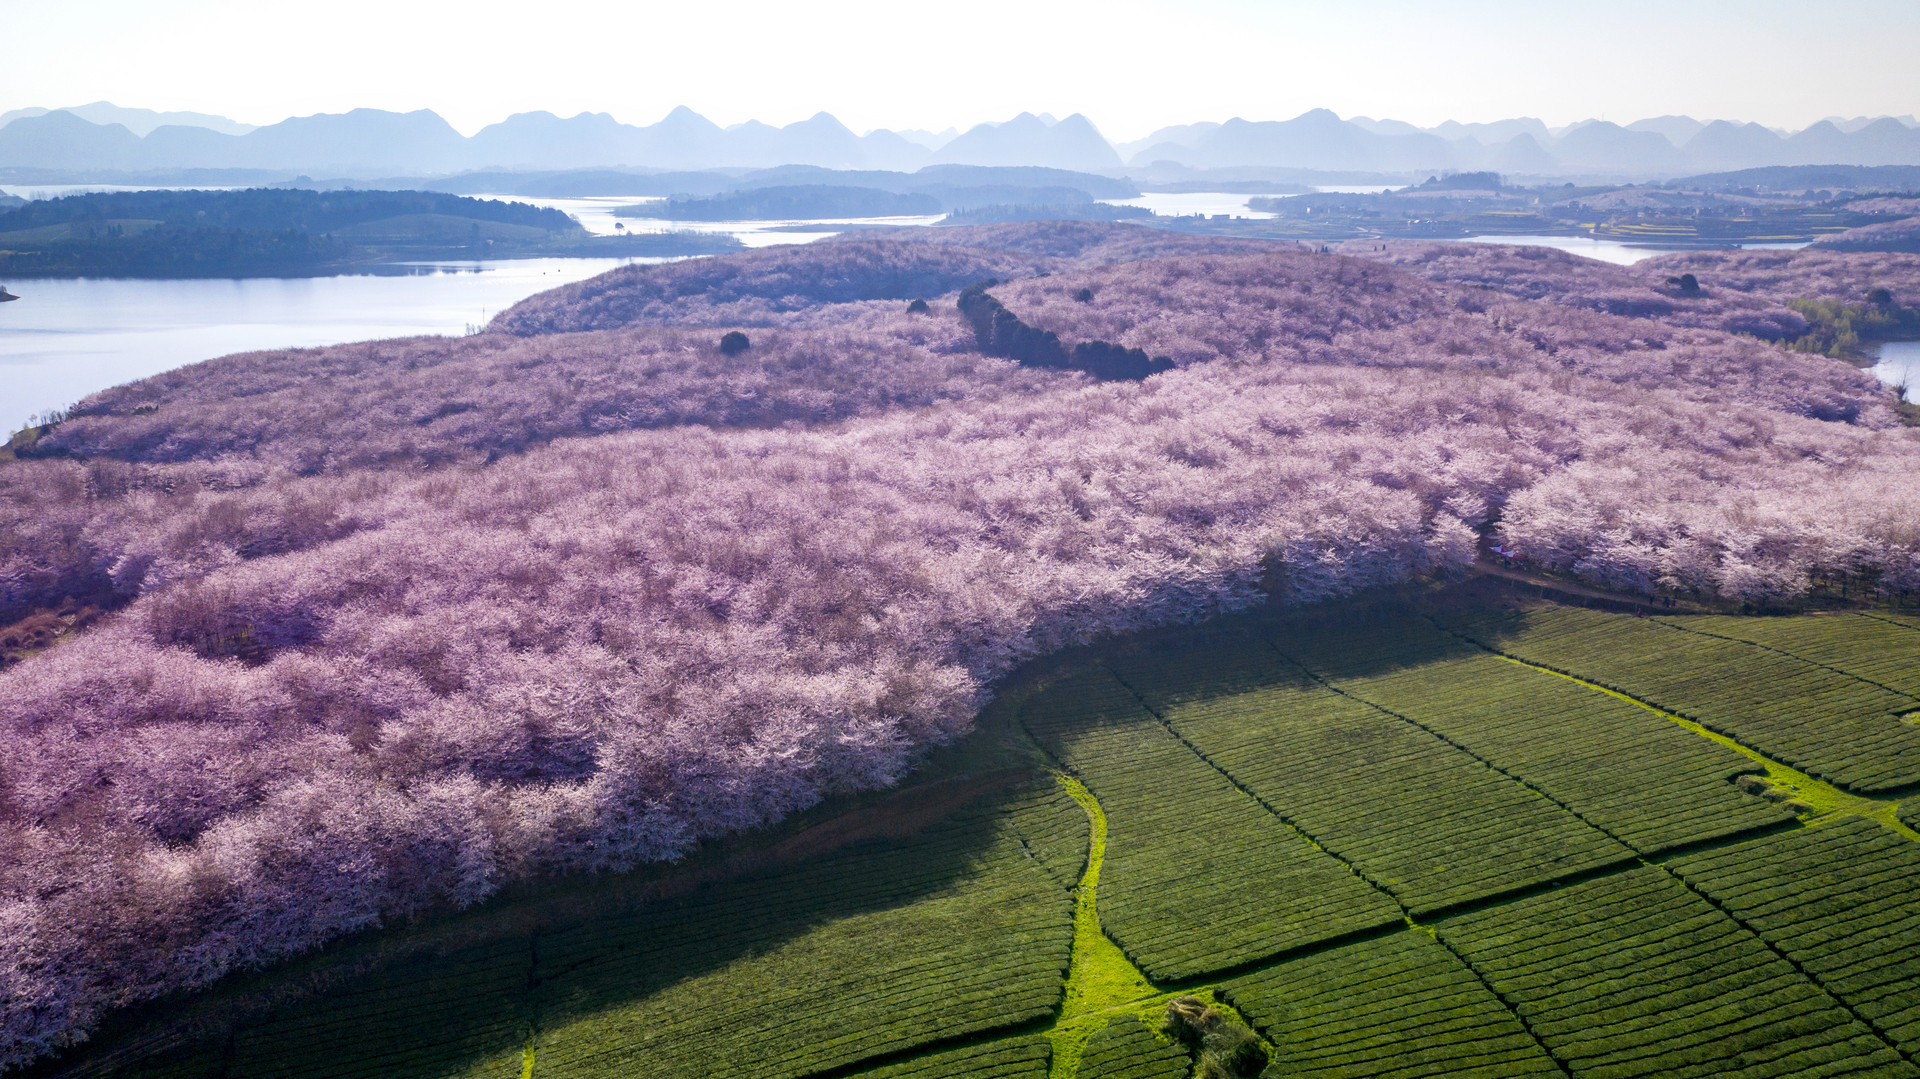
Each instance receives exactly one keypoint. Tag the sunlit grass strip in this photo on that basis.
(1100, 978)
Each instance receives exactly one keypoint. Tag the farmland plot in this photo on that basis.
(950, 941)
(1014, 1058)
(1841, 902)
(1418, 817)
(1866, 647)
(1830, 725)
(1635, 975)
(1126, 1049)
(868, 951)
(1399, 1005)
(1641, 778)
(464, 1012)
(1198, 877)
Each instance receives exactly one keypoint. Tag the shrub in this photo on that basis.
(919, 307)
(733, 343)
(1112, 363)
(1227, 1050)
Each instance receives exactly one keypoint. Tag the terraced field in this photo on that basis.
(1825, 722)
(1626, 770)
(1422, 819)
(1126, 1048)
(1396, 1005)
(1015, 1058)
(1181, 837)
(1391, 850)
(1837, 901)
(1637, 975)
(1866, 647)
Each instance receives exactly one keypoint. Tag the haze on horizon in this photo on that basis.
(1130, 65)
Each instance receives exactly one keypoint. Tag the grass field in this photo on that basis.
(1420, 840)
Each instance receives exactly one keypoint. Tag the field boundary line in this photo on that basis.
(1886, 621)
(1662, 620)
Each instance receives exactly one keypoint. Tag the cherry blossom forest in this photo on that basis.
(387, 627)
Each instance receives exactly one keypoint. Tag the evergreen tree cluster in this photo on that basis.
(1000, 332)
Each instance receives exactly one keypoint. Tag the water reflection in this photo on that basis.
(67, 338)
(1899, 365)
(1188, 203)
(1605, 250)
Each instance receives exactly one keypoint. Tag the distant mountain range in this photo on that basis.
(101, 139)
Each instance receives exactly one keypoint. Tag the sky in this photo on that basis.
(1129, 65)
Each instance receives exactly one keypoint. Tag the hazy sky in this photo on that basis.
(1130, 65)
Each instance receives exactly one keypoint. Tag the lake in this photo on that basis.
(1899, 365)
(67, 338)
(1606, 250)
(597, 216)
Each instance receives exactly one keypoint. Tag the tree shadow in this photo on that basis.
(468, 994)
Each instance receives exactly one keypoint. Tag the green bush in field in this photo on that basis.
(1222, 1048)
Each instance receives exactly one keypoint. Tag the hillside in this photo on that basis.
(588, 591)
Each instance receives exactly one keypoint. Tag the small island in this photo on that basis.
(800, 202)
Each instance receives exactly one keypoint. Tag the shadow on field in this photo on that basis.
(464, 995)
(1369, 635)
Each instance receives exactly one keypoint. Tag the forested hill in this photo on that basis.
(273, 208)
(273, 232)
(806, 201)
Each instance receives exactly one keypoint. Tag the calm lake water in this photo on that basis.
(1187, 203)
(67, 338)
(597, 215)
(1605, 250)
(1899, 365)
